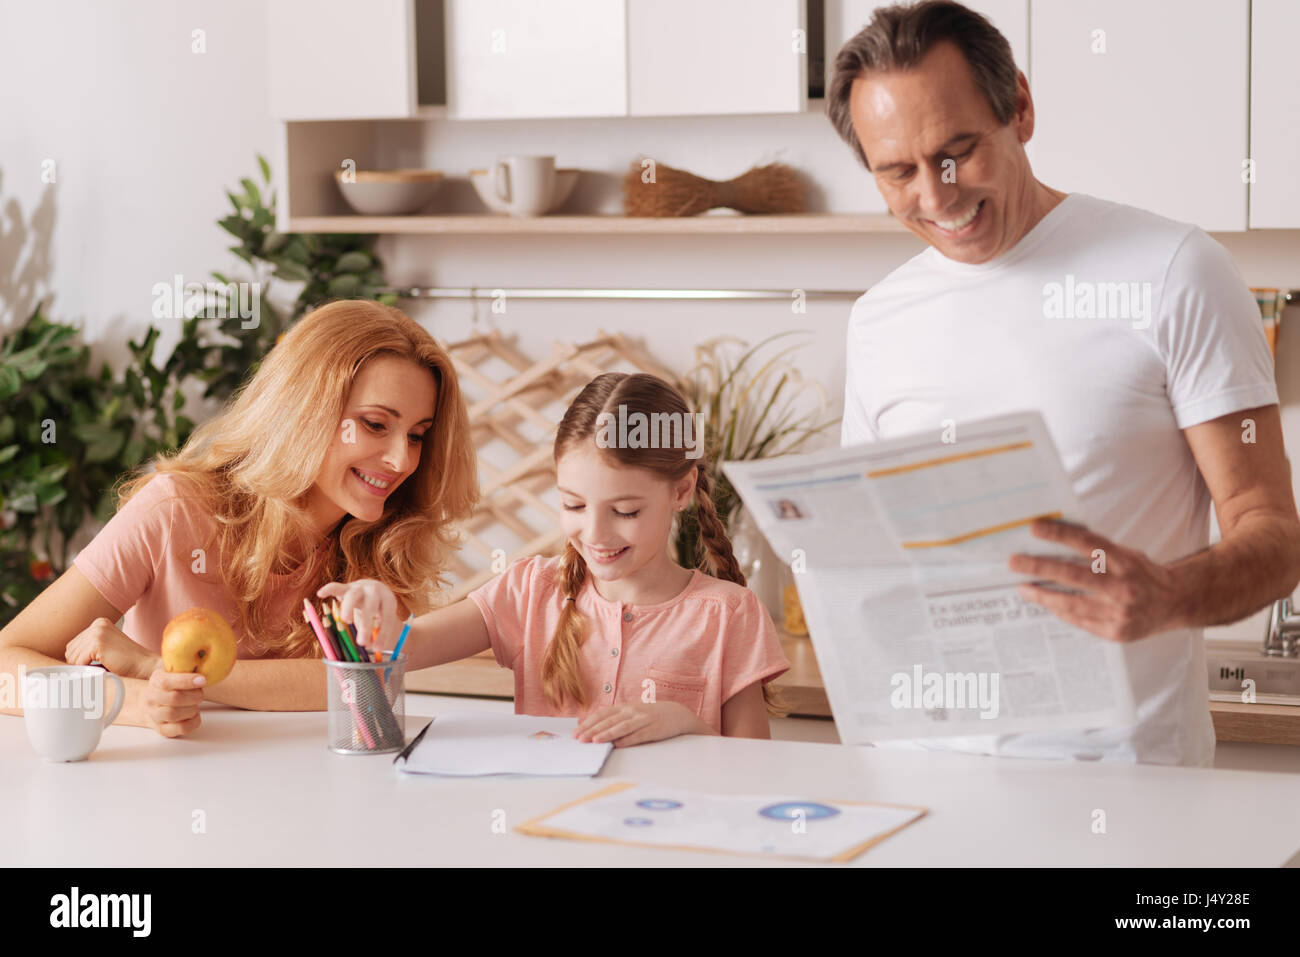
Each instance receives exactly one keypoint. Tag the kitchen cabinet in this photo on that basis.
(1157, 104)
(1274, 115)
(512, 59)
(337, 60)
(1146, 104)
(536, 59)
(718, 57)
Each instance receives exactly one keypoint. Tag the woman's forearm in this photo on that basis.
(283, 684)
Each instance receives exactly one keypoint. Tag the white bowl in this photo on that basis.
(393, 192)
(565, 180)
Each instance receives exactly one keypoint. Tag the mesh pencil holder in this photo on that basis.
(367, 704)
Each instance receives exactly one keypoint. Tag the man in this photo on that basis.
(1155, 409)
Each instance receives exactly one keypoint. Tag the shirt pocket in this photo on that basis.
(685, 690)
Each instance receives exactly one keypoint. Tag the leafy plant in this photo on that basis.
(748, 414)
(330, 265)
(66, 434)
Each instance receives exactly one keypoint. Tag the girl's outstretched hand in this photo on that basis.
(639, 723)
(363, 603)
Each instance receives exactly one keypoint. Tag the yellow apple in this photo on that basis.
(199, 640)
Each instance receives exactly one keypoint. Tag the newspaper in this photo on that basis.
(900, 549)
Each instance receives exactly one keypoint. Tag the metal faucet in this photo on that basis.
(1283, 630)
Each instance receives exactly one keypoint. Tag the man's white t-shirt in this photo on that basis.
(1116, 381)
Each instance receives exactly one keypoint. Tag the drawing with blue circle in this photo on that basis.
(659, 804)
(794, 810)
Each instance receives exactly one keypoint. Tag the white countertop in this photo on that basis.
(272, 794)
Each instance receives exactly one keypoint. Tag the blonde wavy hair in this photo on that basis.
(645, 394)
(252, 466)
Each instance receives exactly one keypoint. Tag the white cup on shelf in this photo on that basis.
(525, 185)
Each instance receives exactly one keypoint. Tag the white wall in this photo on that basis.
(146, 134)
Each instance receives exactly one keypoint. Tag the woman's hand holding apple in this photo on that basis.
(171, 701)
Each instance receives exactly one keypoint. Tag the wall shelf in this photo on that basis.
(491, 224)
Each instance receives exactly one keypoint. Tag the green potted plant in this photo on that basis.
(755, 406)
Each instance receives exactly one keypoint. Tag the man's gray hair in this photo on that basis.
(899, 37)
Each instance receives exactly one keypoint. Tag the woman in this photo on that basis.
(348, 455)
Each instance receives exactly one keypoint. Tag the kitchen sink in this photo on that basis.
(1232, 663)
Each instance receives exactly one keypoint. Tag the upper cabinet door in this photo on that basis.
(1274, 115)
(509, 59)
(1145, 104)
(718, 56)
(341, 60)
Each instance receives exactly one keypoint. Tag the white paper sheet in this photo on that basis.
(767, 825)
(468, 743)
(900, 550)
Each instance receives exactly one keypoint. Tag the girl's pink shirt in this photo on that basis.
(699, 649)
(154, 560)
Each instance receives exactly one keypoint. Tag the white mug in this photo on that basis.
(64, 709)
(525, 184)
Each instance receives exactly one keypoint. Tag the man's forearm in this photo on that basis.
(280, 684)
(1257, 562)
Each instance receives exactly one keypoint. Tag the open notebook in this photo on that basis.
(468, 743)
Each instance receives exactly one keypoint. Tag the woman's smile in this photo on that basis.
(373, 482)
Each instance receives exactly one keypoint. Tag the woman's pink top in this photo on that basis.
(154, 560)
(699, 649)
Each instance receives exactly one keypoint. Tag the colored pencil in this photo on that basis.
(331, 640)
(333, 633)
(397, 648)
(350, 632)
(316, 625)
(342, 626)
(385, 721)
(356, 635)
(385, 724)
(349, 649)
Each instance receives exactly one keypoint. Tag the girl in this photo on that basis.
(613, 630)
(347, 454)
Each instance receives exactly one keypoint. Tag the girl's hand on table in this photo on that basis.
(171, 701)
(103, 642)
(638, 723)
(364, 602)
